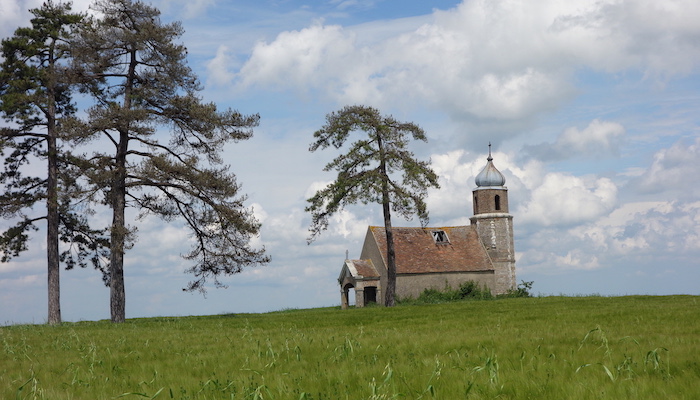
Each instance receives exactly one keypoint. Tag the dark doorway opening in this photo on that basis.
(370, 294)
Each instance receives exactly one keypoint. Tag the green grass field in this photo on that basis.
(634, 347)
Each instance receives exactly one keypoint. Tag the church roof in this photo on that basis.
(363, 268)
(423, 250)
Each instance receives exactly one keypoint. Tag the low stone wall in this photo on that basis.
(414, 285)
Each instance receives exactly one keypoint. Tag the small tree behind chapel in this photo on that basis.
(376, 168)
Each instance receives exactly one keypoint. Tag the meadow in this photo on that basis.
(633, 347)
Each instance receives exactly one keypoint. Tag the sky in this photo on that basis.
(591, 107)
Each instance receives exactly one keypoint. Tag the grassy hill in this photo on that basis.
(635, 347)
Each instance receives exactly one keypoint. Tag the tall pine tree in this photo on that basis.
(142, 87)
(367, 173)
(35, 100)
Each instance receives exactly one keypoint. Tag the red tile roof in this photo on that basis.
(365, 268)
(417, 252)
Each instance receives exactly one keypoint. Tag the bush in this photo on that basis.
(469, 290)
(472, 290)
(432, 296)
(523, 290)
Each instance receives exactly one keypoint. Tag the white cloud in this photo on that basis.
(433, 63)
(347, 225)
(452, 203)
(674, 168)
(649, 228)
(564, 199)
(557, 259)
(598, 139)
(576, 259)
(657, 37)
(259, 212)
(284, 229)
(315, 187)
(33, 260)
(456, 178)
(300, 58)
(537, 197)
(11, 11)
(483, 60)
(635, 234)
(344, 224)
(15, 13)
(597, 136)
(25, 281)
(218, 68)
(579, 223)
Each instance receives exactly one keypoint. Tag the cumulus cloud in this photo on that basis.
(674, 168)
(284, 229)
(218, 73)
(563, 199)
(643, 229)
(483, 60)
(633, 233)
(11, 11)
(598, 139)
(432, 63)
(451, 204)
(310, 57)
(456, 177)
(563, 222)
(661, 37)
(538, 197)
(577, 259)
(15, 13)
(670, 227)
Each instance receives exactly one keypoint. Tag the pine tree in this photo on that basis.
(35, 99)
(367, 174)
(142, 87)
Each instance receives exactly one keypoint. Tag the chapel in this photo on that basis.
(436, 257)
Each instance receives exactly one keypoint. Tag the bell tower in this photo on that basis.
(494, 224)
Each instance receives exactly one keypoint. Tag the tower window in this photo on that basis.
(498, 202)
(440, 237)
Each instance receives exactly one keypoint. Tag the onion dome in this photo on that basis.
(490, 176)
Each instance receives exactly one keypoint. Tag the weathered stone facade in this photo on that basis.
(440, 257)
(496, 233)
(494, 224)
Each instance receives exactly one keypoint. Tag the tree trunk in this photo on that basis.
(118, 234)
(117, 295)
(52, 221)
(52, 237)
(390, 294)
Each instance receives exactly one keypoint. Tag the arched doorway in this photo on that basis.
(347, 300)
